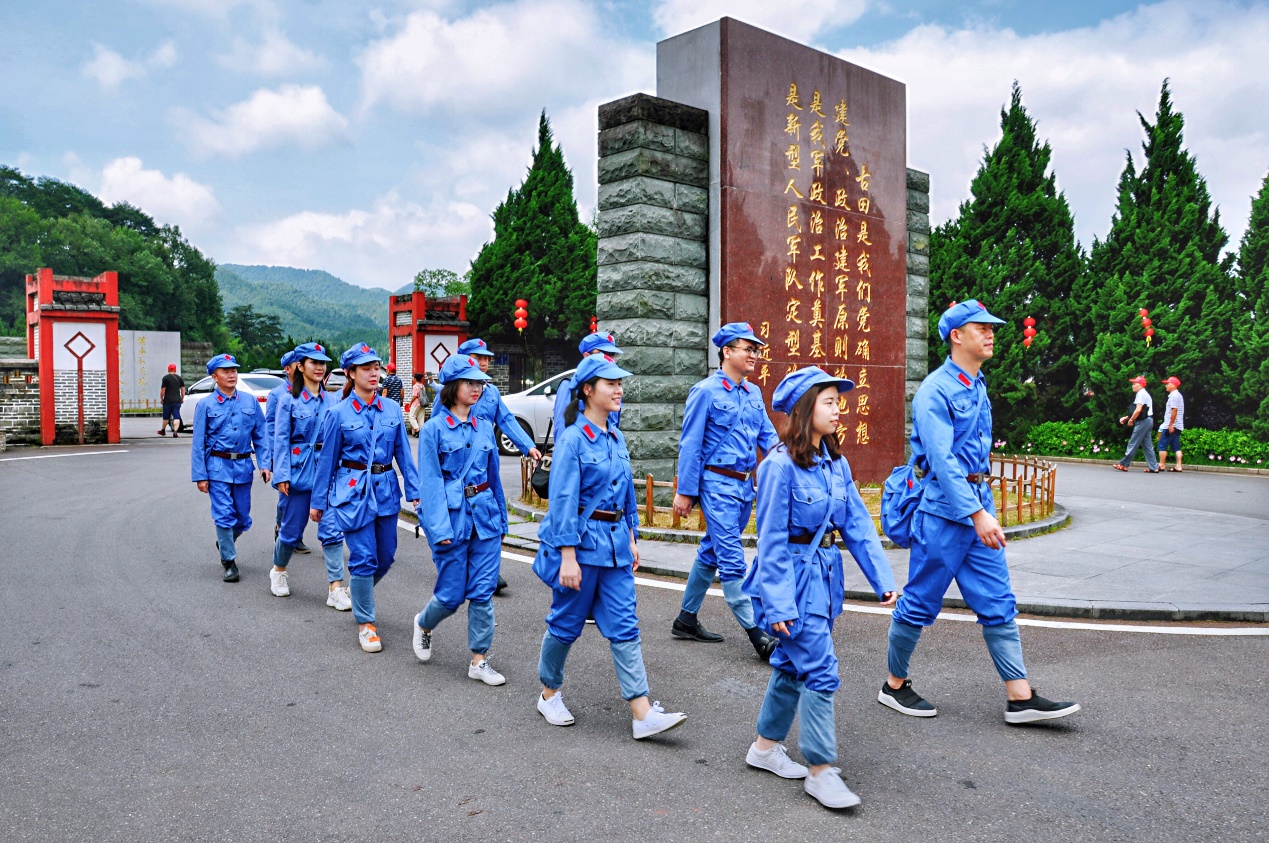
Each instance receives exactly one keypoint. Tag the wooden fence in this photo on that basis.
(1024, 485)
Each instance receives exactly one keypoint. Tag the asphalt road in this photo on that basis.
(1232, 494)
(142, 699)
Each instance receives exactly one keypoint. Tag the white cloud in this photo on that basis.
(382, 246)
(801, 20)
(1084, 87)
(110, 69)
(291, 115)
(176, 199)
(275, 55)
(516, 55)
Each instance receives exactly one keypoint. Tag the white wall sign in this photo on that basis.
(79, 339)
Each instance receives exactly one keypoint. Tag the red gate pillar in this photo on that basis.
(72, 330)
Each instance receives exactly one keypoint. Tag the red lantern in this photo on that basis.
(1028, 332)
(1029, 322)
(1143, 312)
(594, 324)
(521, 303)
(1150, 332)
(1027, 341)
(522, 315)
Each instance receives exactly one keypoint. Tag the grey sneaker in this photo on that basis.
(422, 641)
(829, 789)
(658, 720)
(483, 671)
(1037, 708)
(775, 760)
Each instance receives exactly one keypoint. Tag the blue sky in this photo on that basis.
(373, 140)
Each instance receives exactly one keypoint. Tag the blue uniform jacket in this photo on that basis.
(490, 408)
(445, 447)
(224, 423)
(723, 425)
(587, 463)
(784, 581)
(951, 434)
(270, 412)
(561, 404)
(366, 434)
(297, 427)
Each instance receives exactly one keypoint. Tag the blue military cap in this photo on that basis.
(971, 310)
(475, 346)
(288, 358)
(309, 351)
(461, 367)
(358, 354)
(597, 366)
(222, 361)
(795, 385)
(604, 342)
(733, 331)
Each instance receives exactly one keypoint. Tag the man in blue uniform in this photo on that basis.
(491, 408)
(955, 531)
(723, 426)
(228, 429)
(289, 361)
(591, 345)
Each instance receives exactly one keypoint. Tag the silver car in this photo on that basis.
(255, 384)
(533, 408)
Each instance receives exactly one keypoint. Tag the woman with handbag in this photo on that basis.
(356, 485)
(465, 518)
(805, 494)
(588, 552)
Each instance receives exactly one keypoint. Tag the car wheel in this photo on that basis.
(505, 446)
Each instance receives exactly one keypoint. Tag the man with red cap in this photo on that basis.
(1142, 421)
(171, 395)
(1172, 425)
(391, 386)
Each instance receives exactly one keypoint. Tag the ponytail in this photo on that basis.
(575, 394)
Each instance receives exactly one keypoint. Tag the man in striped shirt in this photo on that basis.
(1172, 424)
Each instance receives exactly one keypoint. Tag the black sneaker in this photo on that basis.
(905, 700)
(764, 645)
(1038, 708)
(691, 630)
(501, 585)
(302, 549)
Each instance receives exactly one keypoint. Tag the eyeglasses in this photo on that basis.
(744, 349)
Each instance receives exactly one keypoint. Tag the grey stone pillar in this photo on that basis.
(918, 286)
(653, 264)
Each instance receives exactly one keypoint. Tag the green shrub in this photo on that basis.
(1201, 447)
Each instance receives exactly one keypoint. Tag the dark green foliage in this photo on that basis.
(310, 305)
(437, 283)
(1013, 247)
(257, 338)
(541, 252)
(1163, 253)
(165, 284)
(1250, 360)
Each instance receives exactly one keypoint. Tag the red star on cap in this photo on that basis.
(226, 356)
(480, 343)
(982, 306)
(365, 347)
(606, 357)
(317, 347)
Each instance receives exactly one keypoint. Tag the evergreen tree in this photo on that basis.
(1163, 253)
(1013, 247)
(1251, 325)
(541, 252)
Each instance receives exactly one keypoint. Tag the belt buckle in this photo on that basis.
(469, 491)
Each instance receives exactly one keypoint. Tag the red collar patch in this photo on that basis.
(220, 398)
(304, 393)
(356, 405)
(963, 378)
(471, 417)
(378, 402)
(449, 420)
(590, 434)
(726, 381)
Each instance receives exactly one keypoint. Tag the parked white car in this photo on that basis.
(257, 384)
(533, 408)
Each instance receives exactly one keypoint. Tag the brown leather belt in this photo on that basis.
(375, 467)
(805, 538)
(471, 491)
(230, 455)
(604, 515)
(727, 472)
(975, 477)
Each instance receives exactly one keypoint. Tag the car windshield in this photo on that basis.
(261, 383)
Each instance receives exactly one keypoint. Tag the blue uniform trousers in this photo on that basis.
(230, 504)
(371, 552)
(295, 507)
(726, 516)
(466, 570)
(608, 595)
(788, 697)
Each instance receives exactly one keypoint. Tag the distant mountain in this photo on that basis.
(309, 303)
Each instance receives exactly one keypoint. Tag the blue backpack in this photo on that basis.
(899, 499)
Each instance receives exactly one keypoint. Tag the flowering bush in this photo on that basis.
(1201, 447)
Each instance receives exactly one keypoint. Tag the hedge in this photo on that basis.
(1201, 447)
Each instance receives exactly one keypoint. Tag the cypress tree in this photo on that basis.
(541, 252)
(1163, 253)
(1251, 326)
(1013, 247)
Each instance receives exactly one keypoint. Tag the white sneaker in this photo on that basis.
(422, 641)
(369, 639)
(775, 760)
(658, 720)
(277, 583)
(554, 710)
(829, 789)
(482, 670)
(339, 599)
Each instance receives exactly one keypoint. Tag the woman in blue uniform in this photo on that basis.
(805, 494)
(466, 515)
(356, 486)
(297, 423)
(588, 552)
